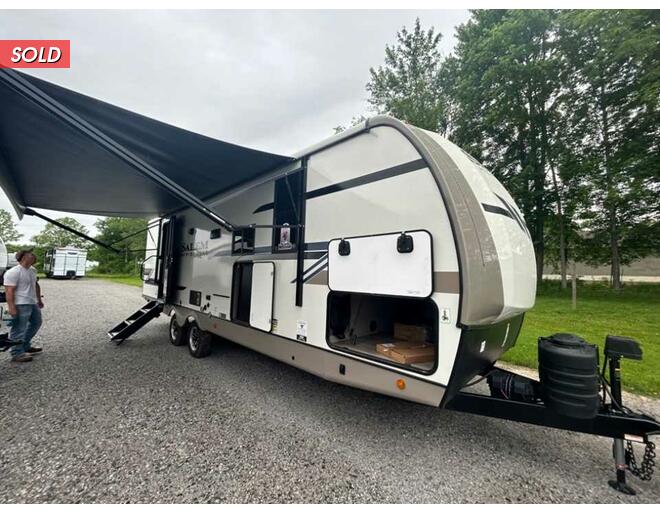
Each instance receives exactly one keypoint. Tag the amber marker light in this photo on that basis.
(401, 384)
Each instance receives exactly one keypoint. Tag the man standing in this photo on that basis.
(24, 305)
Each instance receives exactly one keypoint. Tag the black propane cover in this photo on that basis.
(568, 371)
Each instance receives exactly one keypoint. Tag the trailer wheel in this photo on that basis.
(177, 333)
(199, 342)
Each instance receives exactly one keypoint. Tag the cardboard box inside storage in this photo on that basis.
(410, 332)
(422, 352)
(407, 352)
(385, 347)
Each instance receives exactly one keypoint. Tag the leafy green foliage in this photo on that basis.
(504, 95)
(562, 106)
(128, 260)
(8, 231)
(612, 60)
(53, 236)
(408, 85)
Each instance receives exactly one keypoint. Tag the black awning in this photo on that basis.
(48, 162)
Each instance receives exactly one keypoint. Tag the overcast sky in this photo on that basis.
(273, 80)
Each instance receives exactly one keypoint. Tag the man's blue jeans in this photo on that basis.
(24, 326)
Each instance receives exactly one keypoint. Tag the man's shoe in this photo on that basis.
(23, 357)
(34, 349)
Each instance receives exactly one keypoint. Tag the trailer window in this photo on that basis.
(401, 332)
(287, 210)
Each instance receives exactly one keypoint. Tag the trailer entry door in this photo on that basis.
(166, 261)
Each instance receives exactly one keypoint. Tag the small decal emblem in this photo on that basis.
(445, 315)
(301, 330)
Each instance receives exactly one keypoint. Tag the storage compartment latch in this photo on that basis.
(404, 243)
(344, 247)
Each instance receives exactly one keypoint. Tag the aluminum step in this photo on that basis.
(135, 322)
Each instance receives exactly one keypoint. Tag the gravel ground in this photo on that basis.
(88, 421)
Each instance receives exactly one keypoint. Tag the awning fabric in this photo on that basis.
(47, 163)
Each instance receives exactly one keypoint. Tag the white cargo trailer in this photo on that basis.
(66, 262)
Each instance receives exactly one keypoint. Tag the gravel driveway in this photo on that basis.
(88, 421)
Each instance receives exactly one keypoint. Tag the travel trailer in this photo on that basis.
(384, 258)
(65, 263)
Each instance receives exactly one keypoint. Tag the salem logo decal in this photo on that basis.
(35, 53)
(196, 249)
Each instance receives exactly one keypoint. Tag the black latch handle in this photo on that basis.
(404, 243)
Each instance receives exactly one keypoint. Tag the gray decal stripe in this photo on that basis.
(320, 245)
(314, 268)
(494, 209)
(314, 273)
(394, 171)
(319, 265)
(515, 214)
(314, 255)
(497, 210)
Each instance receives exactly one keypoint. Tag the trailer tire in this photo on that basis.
(199, 342)
(177, 333)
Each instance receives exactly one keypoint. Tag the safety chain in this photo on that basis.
(645, 471)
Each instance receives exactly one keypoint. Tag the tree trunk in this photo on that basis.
(610, 203)
(538, 185)
(562, 235)
(614, 246)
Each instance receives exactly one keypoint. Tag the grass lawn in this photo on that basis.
(634, 312)
(130, 280)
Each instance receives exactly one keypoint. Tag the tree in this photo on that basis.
(614, 62)
(53, 236)
(355, 120)
(407, 86)
(504, 98)
(114, 231)
(8, 231)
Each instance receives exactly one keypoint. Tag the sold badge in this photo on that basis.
(35, 53)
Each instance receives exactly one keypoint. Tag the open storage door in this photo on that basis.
(261, 304)
(399, 264)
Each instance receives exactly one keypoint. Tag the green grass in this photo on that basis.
(634, 311)
(130, 280)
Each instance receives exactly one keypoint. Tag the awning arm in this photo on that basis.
(25, 88)
(30, 212)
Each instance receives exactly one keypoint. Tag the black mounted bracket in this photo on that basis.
(404, 243)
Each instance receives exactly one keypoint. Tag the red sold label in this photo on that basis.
(35, 53)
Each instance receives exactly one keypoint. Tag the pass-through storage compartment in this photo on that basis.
(398, 331)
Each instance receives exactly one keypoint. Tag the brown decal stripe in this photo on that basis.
(443, 281)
